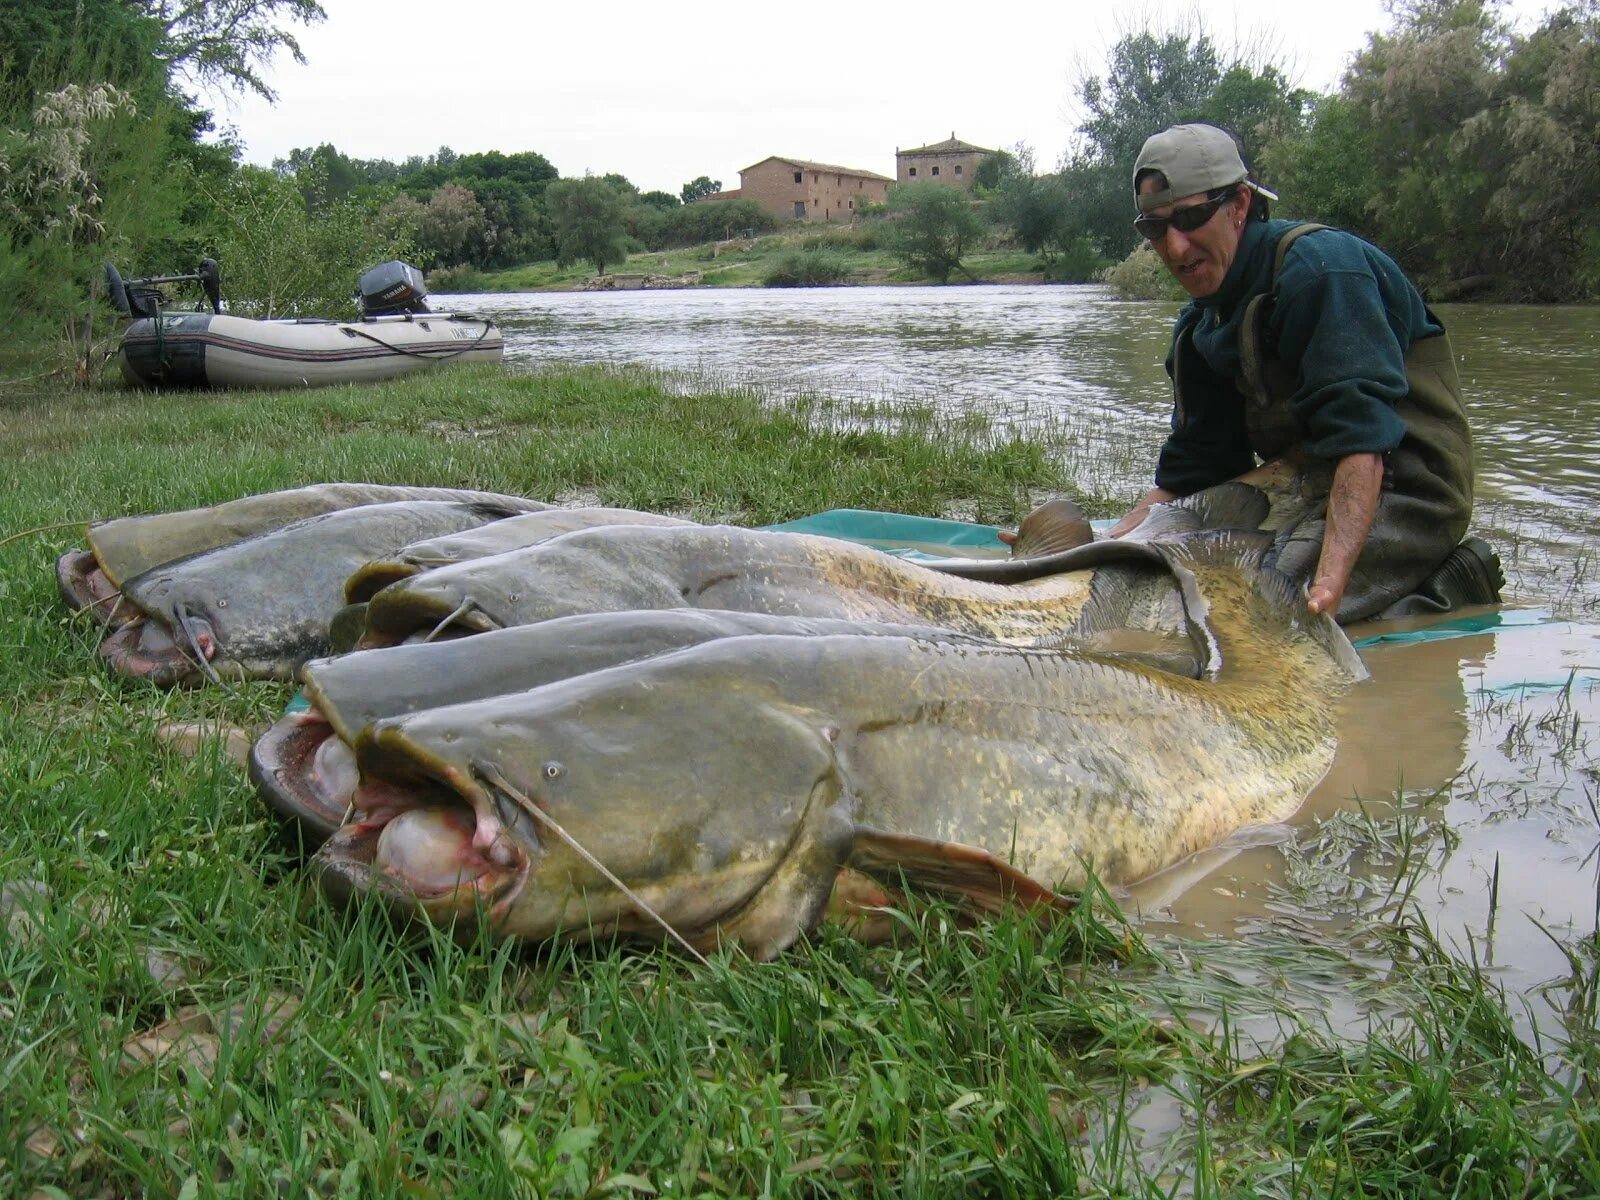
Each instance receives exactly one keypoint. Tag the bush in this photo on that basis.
(1141, 276)
(807, 268)
(1078, 262)
(278, 260)
(711, 221)
(463, 278)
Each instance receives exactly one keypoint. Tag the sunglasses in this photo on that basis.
(1184, 220)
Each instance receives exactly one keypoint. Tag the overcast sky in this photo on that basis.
(663, 92)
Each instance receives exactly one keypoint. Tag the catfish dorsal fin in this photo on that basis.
(953, 868)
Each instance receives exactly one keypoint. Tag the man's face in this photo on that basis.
(1199, 260)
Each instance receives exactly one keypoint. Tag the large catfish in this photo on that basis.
(722, 790)
(124, 547)
(513, 533)
(260, 607)
(623, 568)
(304, 764)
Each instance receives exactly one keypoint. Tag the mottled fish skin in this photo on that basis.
(261, 607)
(126, 547)
(729, 783)
(717, 567)
(512, 533)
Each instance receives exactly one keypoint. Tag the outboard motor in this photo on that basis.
(143, 297)
(391, 287)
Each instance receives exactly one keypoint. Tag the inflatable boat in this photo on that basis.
(395, 335)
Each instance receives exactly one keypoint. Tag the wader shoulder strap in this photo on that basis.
(1254, 350)
(1265, 382)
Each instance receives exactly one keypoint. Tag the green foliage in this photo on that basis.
(808, 268)
(934, 226)
(455, 279)
(85, 177)
(700, 187)
(588, 215)
(711, 221)
(226, 42)
(1464, 148)
(661, 200)
(993, 169)
(1046, 219)
(279, 259)
(1142, 276)
(1155, 80)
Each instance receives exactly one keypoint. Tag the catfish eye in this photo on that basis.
(554, 770)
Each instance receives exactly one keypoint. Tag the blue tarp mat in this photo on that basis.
(905, 536)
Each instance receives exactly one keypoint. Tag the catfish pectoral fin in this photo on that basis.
(1054, 526)
(967, 872)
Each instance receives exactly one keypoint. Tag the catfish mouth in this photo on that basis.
(373, 577)
(146, 647)
(411, 618)
(83, 584)
(411, 839)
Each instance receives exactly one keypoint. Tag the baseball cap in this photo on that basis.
(1195, 159)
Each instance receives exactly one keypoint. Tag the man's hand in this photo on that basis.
(1136, 515)
(1352, 504)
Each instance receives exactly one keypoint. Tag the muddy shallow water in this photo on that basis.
(1466, 779)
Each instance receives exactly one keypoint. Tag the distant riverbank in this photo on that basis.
(834, 255)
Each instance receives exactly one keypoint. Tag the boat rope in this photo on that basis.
(470, 346)
(492, 775)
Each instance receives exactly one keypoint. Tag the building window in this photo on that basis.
(799, 178)
(913, 172)
(936, 170)
(850, 203)
(799, 208)
(815, 178)
(958, 168)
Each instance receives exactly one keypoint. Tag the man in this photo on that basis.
(1308, 349)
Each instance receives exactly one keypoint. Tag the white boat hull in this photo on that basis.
(206, 350)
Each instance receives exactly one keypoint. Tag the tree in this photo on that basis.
(934, 226)
(661, 200)
(588, 215)
(1155, 80)
(451, 228)
(280, 260)
(226, 43)
(699, 188)
(993, 169)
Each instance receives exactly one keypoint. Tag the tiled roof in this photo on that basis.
(951, 145)
(806, 165)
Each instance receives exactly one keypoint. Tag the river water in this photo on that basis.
(1467, 767)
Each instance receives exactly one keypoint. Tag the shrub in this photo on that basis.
(807, 268)
(711, 221)
(1141, 276)
(463, 278)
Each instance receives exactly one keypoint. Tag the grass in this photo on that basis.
(182, 1015)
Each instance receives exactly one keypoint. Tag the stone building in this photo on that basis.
(794, 189)
(951, 162)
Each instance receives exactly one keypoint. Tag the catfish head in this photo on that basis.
(623, 802)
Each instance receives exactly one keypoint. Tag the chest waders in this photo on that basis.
(1427, 479)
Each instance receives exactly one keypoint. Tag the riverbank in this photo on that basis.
(180, 1014)
(851, 251)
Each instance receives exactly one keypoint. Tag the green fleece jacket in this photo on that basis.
(1345, 317)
